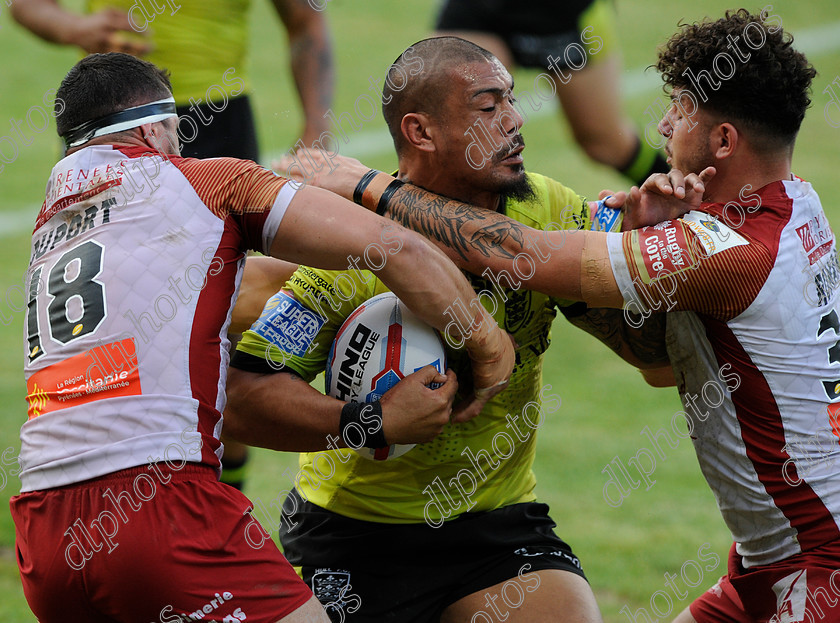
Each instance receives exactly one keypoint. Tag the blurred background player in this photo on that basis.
(204, 44)
(576, 44)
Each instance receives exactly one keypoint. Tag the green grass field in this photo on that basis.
(626, 550)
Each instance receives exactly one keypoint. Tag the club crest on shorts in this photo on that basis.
(331, 587)
(327, 584)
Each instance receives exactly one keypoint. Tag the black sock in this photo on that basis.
(233, 471)
(645, 162)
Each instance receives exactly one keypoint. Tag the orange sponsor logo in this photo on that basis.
(104, 371)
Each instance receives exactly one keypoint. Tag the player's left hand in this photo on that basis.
(662, 197)
(486, 378)
(412, 412)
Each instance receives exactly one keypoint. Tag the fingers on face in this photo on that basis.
(707, 174)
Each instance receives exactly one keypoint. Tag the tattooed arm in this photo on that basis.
(466, 233)
(476, 238)
(642, 347)
(568, 264)
(311, 60)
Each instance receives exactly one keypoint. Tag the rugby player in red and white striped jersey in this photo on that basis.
(136, 260)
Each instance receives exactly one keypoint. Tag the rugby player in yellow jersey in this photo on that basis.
(451, 530)
(204, 44)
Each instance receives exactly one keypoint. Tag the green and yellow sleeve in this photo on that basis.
(298, 324)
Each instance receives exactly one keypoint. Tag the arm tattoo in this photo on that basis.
(645, 345)
(463, 228)
(293, 375)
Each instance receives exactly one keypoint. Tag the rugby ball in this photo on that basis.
(381, 342)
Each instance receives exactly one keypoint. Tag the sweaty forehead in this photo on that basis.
(480, 76)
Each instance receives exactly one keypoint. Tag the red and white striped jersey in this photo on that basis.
(135, 265)
(753, 335)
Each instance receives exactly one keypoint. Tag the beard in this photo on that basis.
(520, 188)
(700, 157)
(696, 161)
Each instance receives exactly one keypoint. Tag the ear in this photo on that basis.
(418, 131)
(147, 131)
(156, 137)
(724, 140)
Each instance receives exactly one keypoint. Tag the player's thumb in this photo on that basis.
(427, 375)
(449, 385)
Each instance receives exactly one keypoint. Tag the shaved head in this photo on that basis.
(420, 79)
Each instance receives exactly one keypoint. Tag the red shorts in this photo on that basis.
(147, 544)
(801, 589)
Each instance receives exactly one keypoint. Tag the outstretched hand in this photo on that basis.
(323, 169)
(662, 197)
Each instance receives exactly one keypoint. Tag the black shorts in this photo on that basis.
(532, 30)
(372, 572)
(216, 133)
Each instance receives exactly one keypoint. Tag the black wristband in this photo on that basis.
(382, 206)
(363, 183)
(361, 425)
